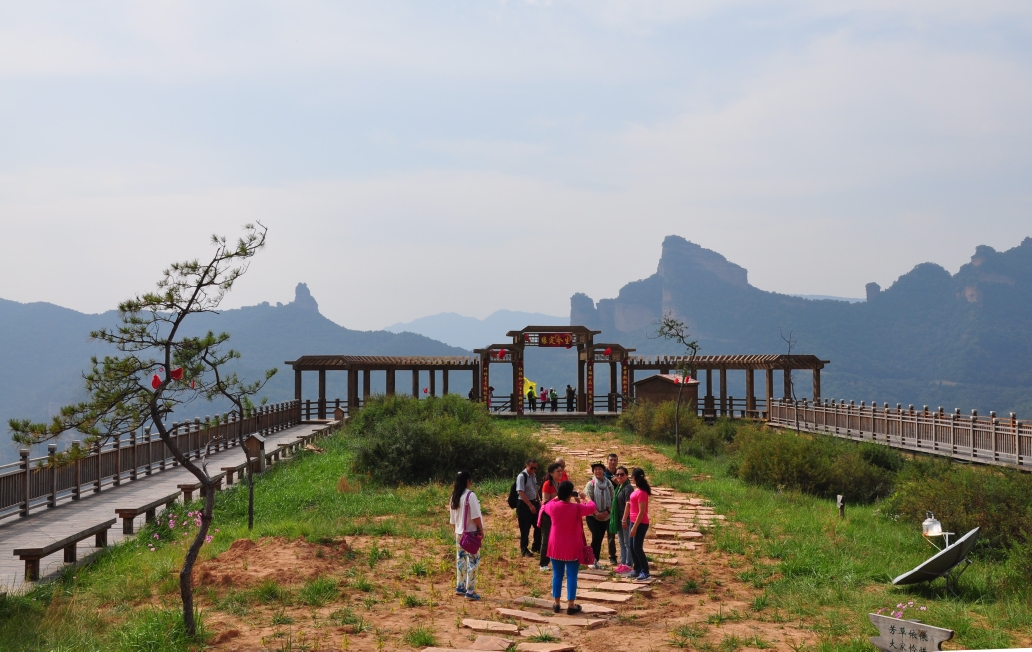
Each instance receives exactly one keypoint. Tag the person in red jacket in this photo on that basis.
(565, 543)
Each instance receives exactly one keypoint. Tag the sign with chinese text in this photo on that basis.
(907, 636)
(589, 377)
(519, 383)
(555, 339)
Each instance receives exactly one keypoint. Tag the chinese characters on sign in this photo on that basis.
(907, 636)
(555, 339)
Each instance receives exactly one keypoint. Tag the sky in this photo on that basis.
(410, 158)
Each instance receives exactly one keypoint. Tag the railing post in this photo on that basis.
(173, 434)
(992, 430)
(76, 490)
(52, 462)
(98, 482)
(971, 423)
(118, 460)
(26, 484)
(150, 450)
(953, 432)
(136, 456)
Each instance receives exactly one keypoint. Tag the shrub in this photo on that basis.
(158, 629)
(964, 497)
(822, 466)
(656, 422)
(403, 440)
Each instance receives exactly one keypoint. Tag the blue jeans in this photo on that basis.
(570, 568)
(625, 545)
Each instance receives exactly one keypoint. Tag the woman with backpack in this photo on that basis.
(638, 519)
(469, 532)
(566, 543)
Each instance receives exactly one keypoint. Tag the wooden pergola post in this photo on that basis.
(581, 403)
(391, 381)
(352, 391)
(322, 394)
(750, 392)
(788, 382)
(297, 384)
(365, 384)
(433, 382)
(816, 383)
(709, 409)
(415, 383)
(444, 382)
(723, 391)
(770, 387)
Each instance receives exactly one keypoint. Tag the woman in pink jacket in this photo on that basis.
(565, 542)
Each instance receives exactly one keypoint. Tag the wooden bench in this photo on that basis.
(237, 470)
(190, 487)
(31, 556)
(128, 514)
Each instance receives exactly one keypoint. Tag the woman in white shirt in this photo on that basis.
(466, 565)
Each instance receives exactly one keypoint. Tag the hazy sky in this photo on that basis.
(418, 157)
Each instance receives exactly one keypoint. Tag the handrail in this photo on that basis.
(30, 484)
(983, 440)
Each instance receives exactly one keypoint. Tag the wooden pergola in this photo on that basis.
(723, 363)
(390, 365)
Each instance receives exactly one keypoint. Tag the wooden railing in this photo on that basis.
(971, 438)
(33, 483)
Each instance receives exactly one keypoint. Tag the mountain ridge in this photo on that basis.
(957, 340)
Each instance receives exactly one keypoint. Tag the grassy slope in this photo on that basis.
(108, 604)
(833, 572)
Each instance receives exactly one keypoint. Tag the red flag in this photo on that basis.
(155, 382)
(177, 374)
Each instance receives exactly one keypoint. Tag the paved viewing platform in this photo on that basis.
(46, 527)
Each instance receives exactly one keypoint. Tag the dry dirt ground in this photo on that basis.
(412, 586)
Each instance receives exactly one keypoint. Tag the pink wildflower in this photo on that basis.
(156, 536)
(924, 608)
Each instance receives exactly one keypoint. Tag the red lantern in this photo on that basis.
(501, 354)
(425, 390)
(191, 384)
(177, 374)
(155, 382)
(608, 351)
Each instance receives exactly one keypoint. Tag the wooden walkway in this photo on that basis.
(54, 524)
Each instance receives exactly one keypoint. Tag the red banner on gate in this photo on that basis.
(555, 339)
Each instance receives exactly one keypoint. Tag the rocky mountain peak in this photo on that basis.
(303, 298)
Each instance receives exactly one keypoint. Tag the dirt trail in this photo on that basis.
(380, 600)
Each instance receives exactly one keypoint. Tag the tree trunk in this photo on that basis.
(186, 573)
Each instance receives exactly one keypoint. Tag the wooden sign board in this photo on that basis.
(897, 635)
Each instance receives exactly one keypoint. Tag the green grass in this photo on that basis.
(99, 605)
(815, 567)
(420, 636)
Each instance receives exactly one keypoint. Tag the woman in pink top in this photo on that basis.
(637, 514)
(565, 542)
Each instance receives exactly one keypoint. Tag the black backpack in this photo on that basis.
(514, 496)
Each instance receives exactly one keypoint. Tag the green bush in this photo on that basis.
(964, 497)
(656, 422)
(158, 630)
(822, 466)
(403, 440)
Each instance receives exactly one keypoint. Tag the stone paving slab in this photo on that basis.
(54, 524)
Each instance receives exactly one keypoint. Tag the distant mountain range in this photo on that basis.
(931, 338)
(45, 348)
(962, 340)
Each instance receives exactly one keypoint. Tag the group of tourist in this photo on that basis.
(615, 504)
(549, 399)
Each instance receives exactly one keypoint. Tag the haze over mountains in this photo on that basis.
(44, 349)
(962, 340)
(932, 338)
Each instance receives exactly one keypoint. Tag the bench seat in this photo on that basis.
(31, 556)
(127, 514)
(189, 487)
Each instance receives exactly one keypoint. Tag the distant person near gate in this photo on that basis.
(570, 395)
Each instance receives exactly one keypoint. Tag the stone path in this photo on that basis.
(676, 518)
(53, 524)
